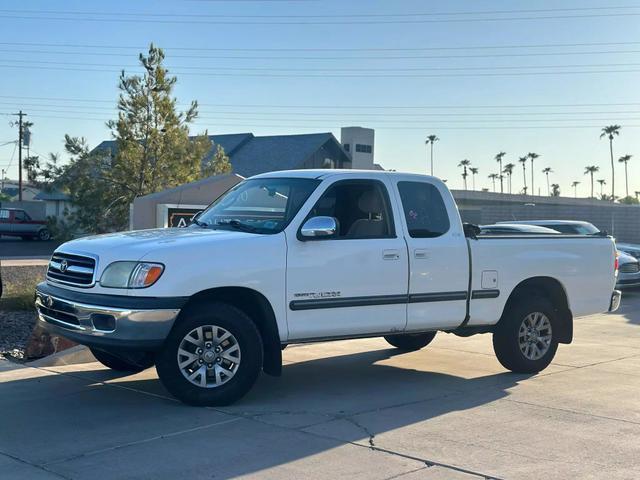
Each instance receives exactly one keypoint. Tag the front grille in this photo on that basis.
(633, 267)
(72, 269)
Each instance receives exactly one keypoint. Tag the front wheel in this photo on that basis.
(133, 362)
(410, 342)
(212, 356)
(525, 340)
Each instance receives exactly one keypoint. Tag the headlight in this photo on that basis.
(131, 274)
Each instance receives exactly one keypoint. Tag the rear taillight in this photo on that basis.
(615, 263)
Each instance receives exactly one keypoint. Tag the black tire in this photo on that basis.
(127, 362)
(410, 342)
(506, 337)
(234, 321)
(44, 235)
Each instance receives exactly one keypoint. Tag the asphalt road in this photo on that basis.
(12, 247)
(351, 409)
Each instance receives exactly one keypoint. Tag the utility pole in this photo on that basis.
(20, 115)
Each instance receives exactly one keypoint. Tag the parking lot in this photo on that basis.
(352, 409)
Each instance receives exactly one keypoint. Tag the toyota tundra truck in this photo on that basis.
(311, 256)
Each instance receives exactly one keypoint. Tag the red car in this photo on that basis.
(18, 223)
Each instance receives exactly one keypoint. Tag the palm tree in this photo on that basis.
(523, 161)
(474, 172)
(575, 188)
(499, 160)
(547, 171)
(532, 156)
(493, 178)
(464, 164)
(591, 170)
(625, 159)
(508, 169)
(609, 132)
(602, 183)
(555, 190)
(431, 139)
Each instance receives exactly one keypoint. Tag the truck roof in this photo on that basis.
(324, 173)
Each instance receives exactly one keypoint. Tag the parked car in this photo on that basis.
(16, 222)
(628, 272)
(568, 227)
(516, 229)
(316, 255)
(632, 249)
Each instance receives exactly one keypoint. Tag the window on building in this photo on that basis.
(4, 214)
(424, 210)
(347, 147)
(329, 163)
(361, 148)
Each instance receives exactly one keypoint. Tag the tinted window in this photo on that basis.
(423, 209)
(264, 205)
(361, 208)
(21, 217)
(4, 214)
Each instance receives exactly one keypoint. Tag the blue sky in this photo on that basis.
(477, 100)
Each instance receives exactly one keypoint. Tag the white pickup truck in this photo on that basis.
(317, 255)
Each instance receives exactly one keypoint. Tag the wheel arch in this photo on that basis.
(259, 309)
(553, 290)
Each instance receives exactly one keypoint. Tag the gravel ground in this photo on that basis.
(16, 320)
(15, 330)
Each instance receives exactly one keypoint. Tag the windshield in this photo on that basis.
(258, 205)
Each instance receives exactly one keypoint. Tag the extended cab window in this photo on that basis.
(361, 208)
(260, 205)
(423, 209)
(21, 217)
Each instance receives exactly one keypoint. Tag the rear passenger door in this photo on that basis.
(438, 256)
(353, 283)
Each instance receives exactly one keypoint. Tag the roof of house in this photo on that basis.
(250, 155)
(51, 196)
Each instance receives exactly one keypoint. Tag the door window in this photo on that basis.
(361, 208)
(21, 217)
(424, 210)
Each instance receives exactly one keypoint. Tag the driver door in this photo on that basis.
(354, 283)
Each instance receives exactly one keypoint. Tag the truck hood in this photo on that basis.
(135, 245)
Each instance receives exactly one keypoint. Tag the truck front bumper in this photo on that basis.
(107, 321)
(616, 298)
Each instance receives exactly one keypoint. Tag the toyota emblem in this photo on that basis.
(63, 266)
(48, 301)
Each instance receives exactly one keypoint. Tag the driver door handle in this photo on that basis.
(390, 254)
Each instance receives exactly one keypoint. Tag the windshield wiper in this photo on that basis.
(199, 223)
(238, 225)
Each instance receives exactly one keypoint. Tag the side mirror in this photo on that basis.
(319, 227)
(471, 230)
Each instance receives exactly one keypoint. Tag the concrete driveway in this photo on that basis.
(353, 409)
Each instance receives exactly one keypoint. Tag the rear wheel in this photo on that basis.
(44, 235)
(525, 340)
(411, 341)
(129, 362)
(212, 356)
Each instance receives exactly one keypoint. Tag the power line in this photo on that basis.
(332, 22)
(347, 106)
(328, 75)
(354, 15)
(231, 70)
(297, 49)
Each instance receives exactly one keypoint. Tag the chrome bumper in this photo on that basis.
(616, 298)
(96, 325)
